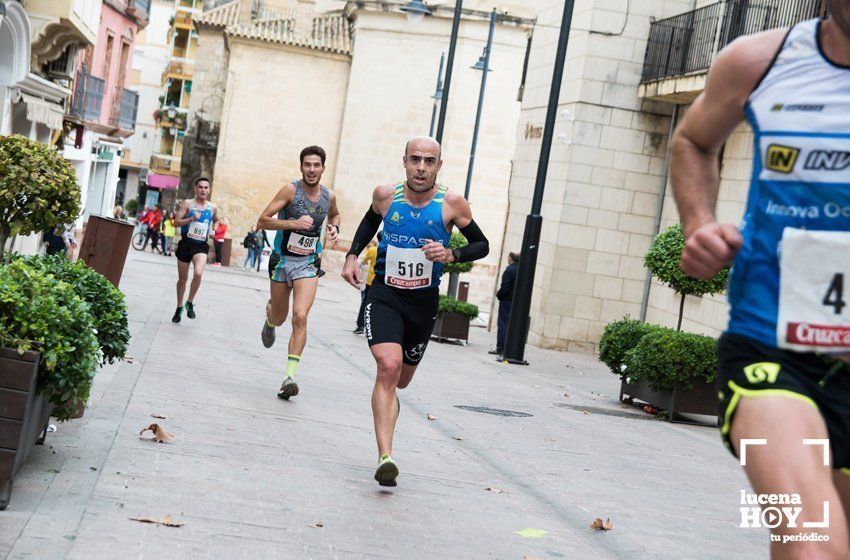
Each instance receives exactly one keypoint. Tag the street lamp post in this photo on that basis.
(438, 94)
(518, 324)
(441, 122)
(483, 64)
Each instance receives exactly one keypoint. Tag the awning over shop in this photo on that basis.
(164, 182)
(43, 112)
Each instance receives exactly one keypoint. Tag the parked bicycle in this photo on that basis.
(141, 237)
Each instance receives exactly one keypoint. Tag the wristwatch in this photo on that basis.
(456, 254)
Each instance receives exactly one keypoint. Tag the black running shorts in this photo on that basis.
(750, 369)
(404, 317)
(187, 249)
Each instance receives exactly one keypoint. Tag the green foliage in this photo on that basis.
(664, 357)
(618, 338)
(457, 241)
(38, 187)
(451, 305)
(132, 206)
(663, 258)
(106, 302)
(41, 313)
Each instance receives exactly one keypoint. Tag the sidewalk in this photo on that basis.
(252, 476)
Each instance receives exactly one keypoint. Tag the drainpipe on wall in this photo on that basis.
(662, 193)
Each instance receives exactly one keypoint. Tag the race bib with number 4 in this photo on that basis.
(813, 312)
(407, 268)
(198, 230)
(301, 244)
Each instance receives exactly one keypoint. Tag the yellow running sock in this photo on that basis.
(291, 364)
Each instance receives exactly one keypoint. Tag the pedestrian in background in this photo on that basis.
(250, 243)
(505, 295)
(218, 239)
(369, 259)
(168, 231)
(53, 240)
(262, 243)
(152, 219)
(118, 212)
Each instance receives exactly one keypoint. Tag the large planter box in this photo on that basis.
(701, 399)
(23, 415)
(105, 245)
(451, 326)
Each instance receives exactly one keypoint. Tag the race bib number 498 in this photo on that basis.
(407, 268)
(301, 244)
(813, 311)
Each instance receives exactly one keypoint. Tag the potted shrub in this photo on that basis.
(453, 319)
(663, 258)
(38, 188)
(454, 316)
(49, 328)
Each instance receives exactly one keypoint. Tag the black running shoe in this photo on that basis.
(177, 315)
(190, 310)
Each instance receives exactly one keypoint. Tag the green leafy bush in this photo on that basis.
(38, 188)
(665, 356)
(451, 305)
(663, 259)
(106, 302)
(41, 313)
(457, 241)
(132, 206)
(618, 338)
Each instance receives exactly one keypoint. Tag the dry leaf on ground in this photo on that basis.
(585, 412)
(600, 525)
(158, 416)
(530, 558)
(166, 521)
(159, 433)
(496, 490)
(457, 438)
(567, 395)
(317, 525)
(431, 417)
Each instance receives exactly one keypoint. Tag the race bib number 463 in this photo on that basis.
(301, 244)
(813, 311)
(407, 268)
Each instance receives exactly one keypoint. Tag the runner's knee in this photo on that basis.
(299, 320)
(389, 370)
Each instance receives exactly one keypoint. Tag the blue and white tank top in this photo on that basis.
(787, 283)
(199, 230)
(401, 262)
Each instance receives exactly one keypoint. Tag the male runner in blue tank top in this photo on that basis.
(782, 379)
(194, 218)
(418, 216)
(297, 212)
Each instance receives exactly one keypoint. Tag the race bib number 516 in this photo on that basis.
(407, 268)
(813, 311)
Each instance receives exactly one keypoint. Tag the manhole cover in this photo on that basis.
(495, 411)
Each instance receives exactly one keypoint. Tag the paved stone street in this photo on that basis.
(252, 476)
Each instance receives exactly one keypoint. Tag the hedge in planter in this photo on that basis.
(106, 302)
(618, 338)
(38, 188)
(665, 357)
(450, 305)
(43, 314)
(663, 259)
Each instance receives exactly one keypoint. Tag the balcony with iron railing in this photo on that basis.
(681, 48)
(87, 102)
(165, 164)
(125, 111)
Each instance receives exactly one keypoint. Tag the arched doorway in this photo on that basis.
(14, 39)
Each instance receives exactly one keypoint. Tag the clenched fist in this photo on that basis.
(709, 249)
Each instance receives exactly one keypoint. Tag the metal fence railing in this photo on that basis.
(88, 97)
(688, 42)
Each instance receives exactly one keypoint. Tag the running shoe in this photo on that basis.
(190, 310)
(387, 471)
(177, 315)
(267, 334)
(289, 388)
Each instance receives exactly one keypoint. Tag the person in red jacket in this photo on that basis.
(152, 219)
(218, 239)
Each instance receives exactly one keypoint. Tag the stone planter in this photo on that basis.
(23, 415)
(451, 326)
(701, 399)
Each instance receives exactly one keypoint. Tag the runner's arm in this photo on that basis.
(184, 211)
(269, 220)
(371, 222)
(333, 220)
(696, 144)
(479, 246)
